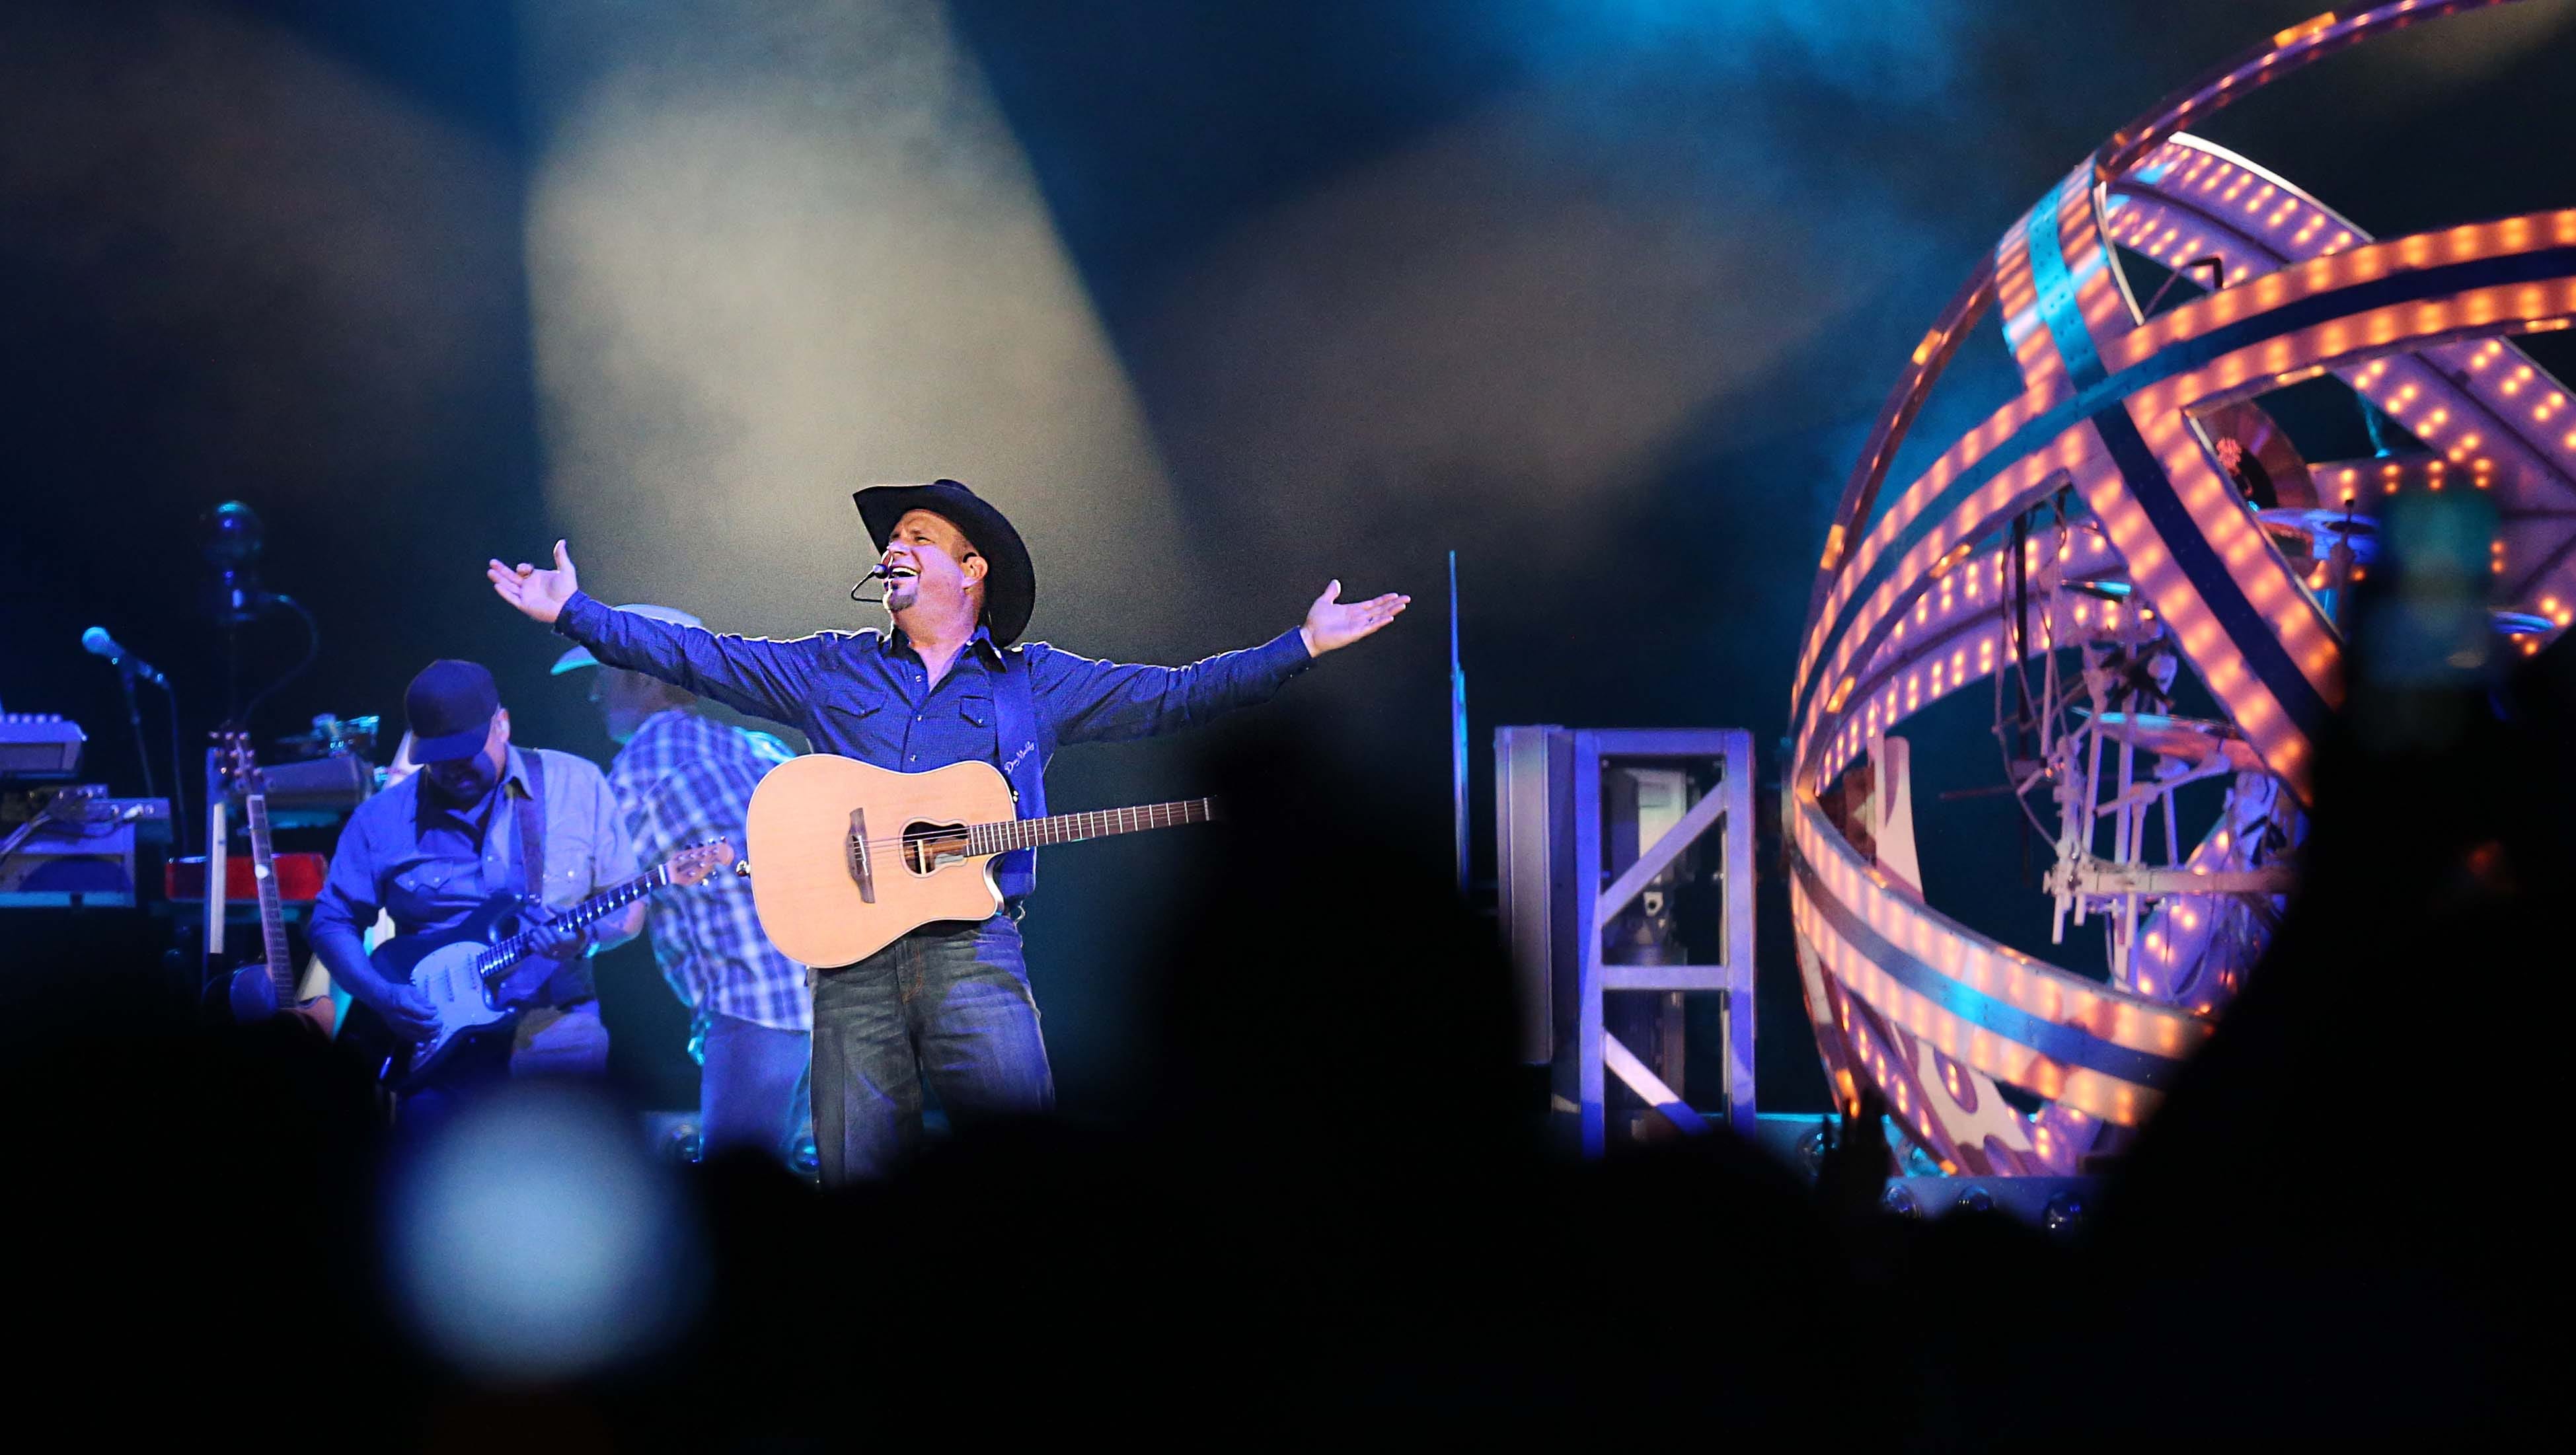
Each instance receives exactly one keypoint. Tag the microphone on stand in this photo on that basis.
(99, 644)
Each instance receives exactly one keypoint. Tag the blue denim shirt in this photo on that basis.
(867, 695)
(431, 865)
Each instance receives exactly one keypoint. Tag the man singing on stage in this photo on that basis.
(949, 1002)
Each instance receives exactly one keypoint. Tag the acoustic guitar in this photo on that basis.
(472, 972)
(847, 857)
(265, 987)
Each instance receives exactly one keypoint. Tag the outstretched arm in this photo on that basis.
(1094, 701)
(539, 594)
(751, 674)
(1333, 623)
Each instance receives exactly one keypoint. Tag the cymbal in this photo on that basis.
(2519, 623)
(2193, 740)
(2319, 530)
(332, 734)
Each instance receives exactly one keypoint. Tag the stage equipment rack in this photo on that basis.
(1576, 865)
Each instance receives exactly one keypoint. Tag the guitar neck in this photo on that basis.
(272, 912)
(506, 953)
(1066, 828)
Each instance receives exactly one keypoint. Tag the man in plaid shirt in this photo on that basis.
(682, 778)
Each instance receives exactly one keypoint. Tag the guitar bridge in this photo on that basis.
(859, 856)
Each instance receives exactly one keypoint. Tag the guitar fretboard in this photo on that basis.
(1066, 828)
(272, 913)
(506, 953)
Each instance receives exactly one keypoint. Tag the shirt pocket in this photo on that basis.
(977, 710)
(420, 894)
(846, 730)
(569, 850)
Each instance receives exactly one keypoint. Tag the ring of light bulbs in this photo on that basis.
(1913, 601)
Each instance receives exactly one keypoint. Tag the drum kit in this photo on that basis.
(2116, 753)
(2194, 742)
(2115, 763)
(2312, 534)
(2337, 544)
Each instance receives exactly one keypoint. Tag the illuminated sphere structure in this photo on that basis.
(2101, 519)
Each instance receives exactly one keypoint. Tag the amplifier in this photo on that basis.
(299, 878)
(39, 745)
(316, 792)
(74, 846)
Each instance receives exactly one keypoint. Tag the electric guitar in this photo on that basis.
(847, 857)
(266, 987)
(473, 973)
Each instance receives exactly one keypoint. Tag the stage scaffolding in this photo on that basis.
(1605, 840)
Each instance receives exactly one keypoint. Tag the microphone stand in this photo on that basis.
(126, 672)
(234, 610)
(134, 719)
(125, 675)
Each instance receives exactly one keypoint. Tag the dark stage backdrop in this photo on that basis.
(1224, 300)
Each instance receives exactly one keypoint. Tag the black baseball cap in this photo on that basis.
(449, 707)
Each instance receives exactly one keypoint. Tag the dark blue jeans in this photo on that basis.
(751, 1087)
(949, 1004)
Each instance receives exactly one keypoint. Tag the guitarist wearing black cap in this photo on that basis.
(437, 846)
(945, 683)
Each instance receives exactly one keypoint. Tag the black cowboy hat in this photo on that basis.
(1010, 586)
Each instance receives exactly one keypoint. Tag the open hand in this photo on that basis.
(541, 594)
(1332, 622)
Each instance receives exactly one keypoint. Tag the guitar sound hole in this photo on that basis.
(926, 846)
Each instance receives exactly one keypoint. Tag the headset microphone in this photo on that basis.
(877, 572)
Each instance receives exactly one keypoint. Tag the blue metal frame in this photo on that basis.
(1594, 905)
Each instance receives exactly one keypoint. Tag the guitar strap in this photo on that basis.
(1015, 738)
(573, 981)
(532, 827)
